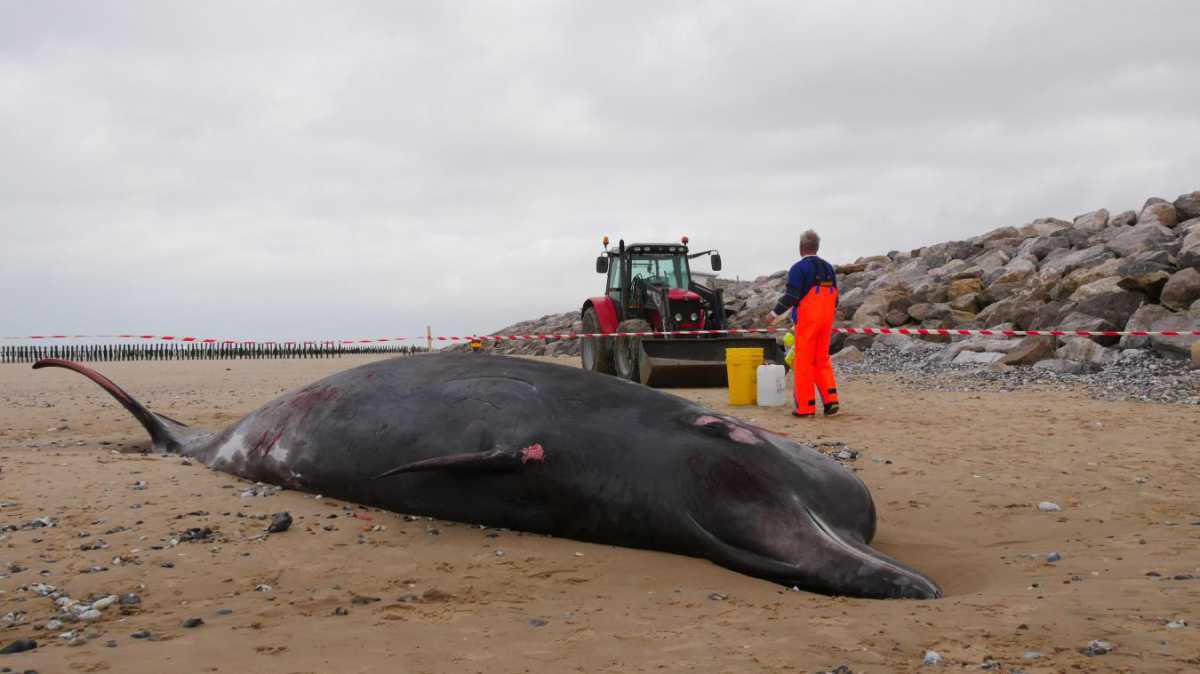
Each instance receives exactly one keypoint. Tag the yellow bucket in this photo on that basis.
(741, 365)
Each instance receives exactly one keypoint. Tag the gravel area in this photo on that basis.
(1143, 376)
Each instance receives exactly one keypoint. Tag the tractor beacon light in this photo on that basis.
(684, 240)
(606, 242)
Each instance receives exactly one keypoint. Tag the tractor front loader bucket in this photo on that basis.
(696, 363)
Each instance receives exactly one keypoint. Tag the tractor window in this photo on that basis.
(614, 280)
(667, 270)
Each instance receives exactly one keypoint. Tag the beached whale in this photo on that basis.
(533, 446)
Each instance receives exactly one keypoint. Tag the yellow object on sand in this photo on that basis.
(741, 366)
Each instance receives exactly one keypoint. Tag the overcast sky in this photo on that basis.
(341, 169)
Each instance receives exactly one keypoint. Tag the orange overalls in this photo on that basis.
(814, 326)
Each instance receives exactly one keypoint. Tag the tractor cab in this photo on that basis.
(653, 282)
(649, 288)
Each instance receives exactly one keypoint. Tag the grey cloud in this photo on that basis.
(336, 169)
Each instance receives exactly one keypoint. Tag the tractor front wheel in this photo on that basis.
(629, 349)
(596, 352)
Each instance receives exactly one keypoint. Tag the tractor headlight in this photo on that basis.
(678, 317)
(694, 316)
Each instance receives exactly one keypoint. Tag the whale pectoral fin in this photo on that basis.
(492, 460)
(830, 564)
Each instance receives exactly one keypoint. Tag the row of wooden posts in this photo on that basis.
(197, 351)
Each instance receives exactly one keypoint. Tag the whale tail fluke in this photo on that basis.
(167, 434)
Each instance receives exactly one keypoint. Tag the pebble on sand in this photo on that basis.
(193, 622)
(1049, 507)
(18, 646)
(280, 522)
(932, 658)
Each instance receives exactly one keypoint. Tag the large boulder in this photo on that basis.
(1084, 350)
(1145, 316)
(1141, 237)
(1187, 206)
(930, 290)
(1092, 222)
(1078, 320)
(1016, 271)
(929, 312)
(998, 234)
(1189, 249)
(964, 286)
(851, 301)
(990, 260)
(1143, 275)
(1031, 350)
(1123, 219)
(1041, 246)
(1158, 211)
(1019, 310)
(1083, 276)
(875, 309)
(1106, 299)
(1181, 289)
(1174, 347)
(1045, 227)
(1054, 266)
(1050, 314)
(968, 303)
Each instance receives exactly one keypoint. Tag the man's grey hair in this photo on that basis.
(810, 243)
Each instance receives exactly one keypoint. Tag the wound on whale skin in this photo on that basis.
(497, 460)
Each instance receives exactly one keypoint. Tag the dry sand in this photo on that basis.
(957, 479)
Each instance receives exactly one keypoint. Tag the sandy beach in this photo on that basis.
(957, 478)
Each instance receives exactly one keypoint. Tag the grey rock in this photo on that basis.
(1096, 647)
(977, 358)
(1030, 350)
(1174, 347)
(1061, 366)
(1084, 350)
(1159, 212)
(932, 658)
(1107, 299)
(850, 354)
(1094, 221)
(1049, 507)
(1189, 248)
(1061, 265)
(1123, 219)
(1187, 206)
(280, 522)
(1181, 289)
(1142, 319)
(1140, 238)
(1040, 247)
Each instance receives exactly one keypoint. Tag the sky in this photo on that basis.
(298, 170)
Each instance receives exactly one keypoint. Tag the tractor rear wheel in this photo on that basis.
(629, 349)
(596, 352)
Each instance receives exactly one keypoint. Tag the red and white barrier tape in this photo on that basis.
(952, 332)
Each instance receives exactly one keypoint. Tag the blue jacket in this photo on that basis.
(803, 277)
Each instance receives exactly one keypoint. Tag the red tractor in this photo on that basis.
(650, 289)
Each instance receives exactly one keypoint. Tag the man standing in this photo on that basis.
(811, 300)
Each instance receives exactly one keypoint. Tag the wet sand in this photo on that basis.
(957, 478)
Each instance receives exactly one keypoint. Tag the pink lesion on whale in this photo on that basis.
(737, 432)
(534, 452)
(266, 442)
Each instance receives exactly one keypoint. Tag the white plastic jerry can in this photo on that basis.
(772, 385)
